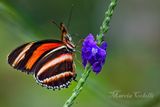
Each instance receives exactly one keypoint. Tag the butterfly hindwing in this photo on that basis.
(25, 57)
(55, 69)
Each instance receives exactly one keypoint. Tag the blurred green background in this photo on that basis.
(132, 65)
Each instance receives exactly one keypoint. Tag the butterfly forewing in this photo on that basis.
(25, 57)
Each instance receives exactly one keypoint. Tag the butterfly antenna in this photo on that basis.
(70, 15)
(56, 24)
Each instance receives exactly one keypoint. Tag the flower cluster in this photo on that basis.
(93, 54)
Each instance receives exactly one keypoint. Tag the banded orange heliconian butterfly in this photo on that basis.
(51, 61)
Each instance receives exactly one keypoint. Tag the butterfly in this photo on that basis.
(50, 61)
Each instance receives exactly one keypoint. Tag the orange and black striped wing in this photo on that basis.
(56, 69)
(26, 57)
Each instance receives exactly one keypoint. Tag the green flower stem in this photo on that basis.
(79, 87)
(105, 24)
(103, 29)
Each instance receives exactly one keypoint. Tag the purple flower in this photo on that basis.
(93, 54)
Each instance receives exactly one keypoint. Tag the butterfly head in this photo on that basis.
(66, 38)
